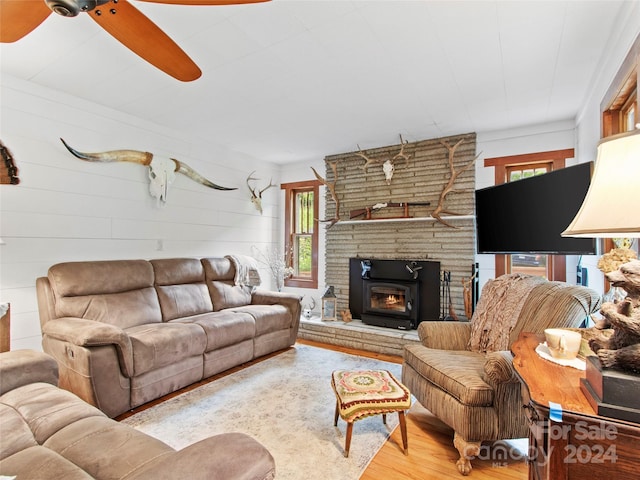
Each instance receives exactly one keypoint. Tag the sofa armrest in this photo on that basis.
(232, 456)
(445, 335)
(22, 367)
(289, 300)
(89, 333)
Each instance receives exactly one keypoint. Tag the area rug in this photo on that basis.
(285, 402)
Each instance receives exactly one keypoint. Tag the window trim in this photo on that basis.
(622, 92)
(290, 190)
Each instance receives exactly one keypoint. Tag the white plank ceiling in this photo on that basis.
(292, 80)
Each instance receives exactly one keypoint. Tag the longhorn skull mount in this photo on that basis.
(256, 198)
(162, 170)
(388, 165)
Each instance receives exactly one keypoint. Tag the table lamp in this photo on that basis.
(611, 208)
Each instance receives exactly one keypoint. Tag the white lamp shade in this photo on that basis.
(611, 208)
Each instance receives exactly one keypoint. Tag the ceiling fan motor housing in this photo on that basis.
(71, 8)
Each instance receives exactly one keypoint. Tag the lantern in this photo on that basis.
(329, 304)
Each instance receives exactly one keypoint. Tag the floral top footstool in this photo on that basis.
(362, 393)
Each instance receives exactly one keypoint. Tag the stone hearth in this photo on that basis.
(356, 334)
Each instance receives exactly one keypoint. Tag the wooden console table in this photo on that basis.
(567, 439)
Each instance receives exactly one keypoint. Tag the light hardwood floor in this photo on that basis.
(431, 451)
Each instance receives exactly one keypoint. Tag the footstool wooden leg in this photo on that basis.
(336, 415)
(403, 430)
(384, 418)
(347, 442)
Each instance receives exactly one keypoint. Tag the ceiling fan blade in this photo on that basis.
(20, 17)
(205, 2)
(138, 33)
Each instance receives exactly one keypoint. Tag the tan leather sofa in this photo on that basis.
(125, 332)
(49, 433)
(463, 372)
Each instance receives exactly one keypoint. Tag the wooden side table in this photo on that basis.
(567, 439)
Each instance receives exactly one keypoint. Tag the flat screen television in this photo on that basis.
(528, 216)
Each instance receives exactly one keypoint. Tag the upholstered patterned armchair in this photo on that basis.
(462, 372)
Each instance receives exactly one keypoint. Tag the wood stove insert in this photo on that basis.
(394, 293)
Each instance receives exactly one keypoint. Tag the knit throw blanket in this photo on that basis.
(246, 270)
(498, 310)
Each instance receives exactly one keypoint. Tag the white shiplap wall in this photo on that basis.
(66, 209)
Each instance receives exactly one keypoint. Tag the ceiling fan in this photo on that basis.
(119, 18)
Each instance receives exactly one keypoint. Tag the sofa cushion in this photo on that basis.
(94, 443)
(457, 372)
(184, 300)
(181, 287)
(72, 279)
(223, 328)
(16, 434)
(268, 318)
(160, 344)
(40, 463)
(226, 295)
(218, 269)
(46, 409)
(119, 292)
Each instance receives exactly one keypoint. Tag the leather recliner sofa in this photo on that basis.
(125, 332)
(48, 433)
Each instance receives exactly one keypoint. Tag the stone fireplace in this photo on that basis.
(394, 293)
(419, 238)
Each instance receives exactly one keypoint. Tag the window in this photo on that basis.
(301, 233)
(532, 264)
(628, 113)
(515, 167)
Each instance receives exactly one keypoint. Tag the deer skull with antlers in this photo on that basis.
(256, 198)
(389, 165)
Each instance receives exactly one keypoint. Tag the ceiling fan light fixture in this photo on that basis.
(72, 8)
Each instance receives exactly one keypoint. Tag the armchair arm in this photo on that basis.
(502, 377)
(499, 369)
(89, 333)
(232, 456)
(22, 367)
(445, 335)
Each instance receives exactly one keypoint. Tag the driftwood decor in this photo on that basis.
(256, 198)
(331, 186)
(622, 349)
(8, 169)
(388, 165)
(448, 188)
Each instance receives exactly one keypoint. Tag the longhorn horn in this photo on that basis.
(185, 169)
(142, 158)
(135, 156)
